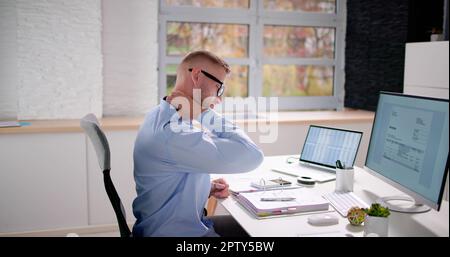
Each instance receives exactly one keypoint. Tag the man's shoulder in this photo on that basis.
(158, 115)
(152, 113)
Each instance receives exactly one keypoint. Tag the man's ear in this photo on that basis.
(195, 77)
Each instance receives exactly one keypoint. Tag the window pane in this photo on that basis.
(225, 40)
(292, 80)
(302, 42)
(321, 6)
(237, 82)
(210, 3)
(171, 77)
(235, 85)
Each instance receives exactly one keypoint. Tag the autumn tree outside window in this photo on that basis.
(291, 49)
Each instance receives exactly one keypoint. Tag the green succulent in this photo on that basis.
(377, 210)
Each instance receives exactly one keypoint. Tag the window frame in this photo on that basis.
(256, 18)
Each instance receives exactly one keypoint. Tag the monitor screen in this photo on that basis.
(409, 145)
(324, 146)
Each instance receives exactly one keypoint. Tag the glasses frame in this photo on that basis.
(221, 87)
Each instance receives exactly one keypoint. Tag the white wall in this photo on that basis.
(130, 58)
(59, 58)
(8, 70)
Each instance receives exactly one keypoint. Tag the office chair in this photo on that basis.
(90, 125)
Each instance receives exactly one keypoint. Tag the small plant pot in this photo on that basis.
(376, 225)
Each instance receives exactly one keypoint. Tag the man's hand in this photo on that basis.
(219, 188)
(186, 106)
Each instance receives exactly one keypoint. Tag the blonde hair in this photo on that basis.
(195, 56)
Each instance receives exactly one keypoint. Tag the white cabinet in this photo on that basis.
(53, 181)
(121, 144)
(42, 181)
(426, 69)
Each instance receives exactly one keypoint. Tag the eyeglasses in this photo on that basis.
(221, 87)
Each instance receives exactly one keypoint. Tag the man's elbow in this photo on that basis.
(259, 157)
(254, 159)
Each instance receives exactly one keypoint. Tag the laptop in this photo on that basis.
(322, 148)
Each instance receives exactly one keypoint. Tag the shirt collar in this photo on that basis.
(168, 109)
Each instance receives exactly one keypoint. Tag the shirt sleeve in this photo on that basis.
(224, 149)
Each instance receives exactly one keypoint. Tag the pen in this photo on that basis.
(277, 199)
(339, 165)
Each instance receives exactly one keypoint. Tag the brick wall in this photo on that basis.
(67, 58)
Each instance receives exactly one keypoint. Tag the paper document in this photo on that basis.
(5, 124)
(241, 185)
(304, 201)
(253, 184)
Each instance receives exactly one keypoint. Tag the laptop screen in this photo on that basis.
(324, 146)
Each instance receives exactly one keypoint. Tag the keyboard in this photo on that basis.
(343, 201)
(300, 170)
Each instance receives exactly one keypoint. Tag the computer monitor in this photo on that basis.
(409, 149)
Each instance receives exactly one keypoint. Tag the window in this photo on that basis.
(291, 49)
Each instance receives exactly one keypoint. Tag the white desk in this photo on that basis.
(366, 186)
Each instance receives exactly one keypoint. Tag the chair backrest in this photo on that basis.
(90, 125)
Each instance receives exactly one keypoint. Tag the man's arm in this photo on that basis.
(227, 149)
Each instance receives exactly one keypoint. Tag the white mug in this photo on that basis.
(344, 180)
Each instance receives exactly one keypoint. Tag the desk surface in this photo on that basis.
(366, 186)
(133, 123)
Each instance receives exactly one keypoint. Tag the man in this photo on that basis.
(173, 158)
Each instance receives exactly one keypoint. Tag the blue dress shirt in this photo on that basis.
(172, 166)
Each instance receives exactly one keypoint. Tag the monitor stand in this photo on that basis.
(413, 208)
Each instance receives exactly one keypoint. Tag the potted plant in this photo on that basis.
(376, 220)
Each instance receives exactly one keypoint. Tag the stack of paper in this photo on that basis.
(305, 201)
(242, 185)
(253, 184)
(6, 124)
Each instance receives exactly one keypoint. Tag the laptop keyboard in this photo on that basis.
(297, 170)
